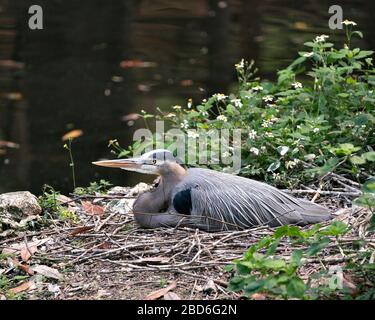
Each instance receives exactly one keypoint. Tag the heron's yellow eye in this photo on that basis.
(154, 161)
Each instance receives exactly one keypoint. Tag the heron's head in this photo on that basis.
(154, 162)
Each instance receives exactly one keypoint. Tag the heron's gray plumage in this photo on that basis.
(243, 202)
(211, 200)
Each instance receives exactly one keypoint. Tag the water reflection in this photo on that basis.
(72, 75)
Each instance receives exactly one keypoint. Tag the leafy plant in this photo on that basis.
(367, 200)
(318, 114)
(262, 270)
(95, 187)
(51, 207)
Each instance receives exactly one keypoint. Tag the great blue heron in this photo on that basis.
(211, 200)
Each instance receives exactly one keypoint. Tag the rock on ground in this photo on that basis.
(19, 205)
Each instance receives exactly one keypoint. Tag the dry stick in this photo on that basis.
(105, 221)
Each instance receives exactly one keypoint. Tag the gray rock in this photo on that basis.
(19, 205)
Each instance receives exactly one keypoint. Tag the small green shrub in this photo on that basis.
(263, 270)
(95, 187)
(318, 114)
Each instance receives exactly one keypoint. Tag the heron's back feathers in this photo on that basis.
(219, 201)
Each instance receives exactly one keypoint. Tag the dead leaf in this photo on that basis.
(92, 209)
(126, 64)
(299, 25)
(130, 117)
(171, 296)
(11, 64)
(72, 135)
(186, 82)
(258, 296)
(23, 287)
(80, 230)
(9, 144)
(47, 272)
(161, 292)
(347, 282)
(15, 96)
(104, 245)
(24, 267)
(27, 252)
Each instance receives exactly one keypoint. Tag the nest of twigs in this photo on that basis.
(106, 255)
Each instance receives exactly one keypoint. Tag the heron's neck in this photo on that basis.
(159, 199)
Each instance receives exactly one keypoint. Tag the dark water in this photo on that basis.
(68, 76)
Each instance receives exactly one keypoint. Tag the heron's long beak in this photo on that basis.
(127, 164)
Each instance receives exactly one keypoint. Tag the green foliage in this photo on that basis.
(262, 270)
(367, 200)
(320, 111)
(51, 207)
(95, 187)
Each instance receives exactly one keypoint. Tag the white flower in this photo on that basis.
(308, 54)
(276, 176)
(254, 150)
(257, 88)
(176, 107)
(252, 134)
(273, 119)
(263, 148)
(316, 130)
(204, 100)
(204, 113)
(268, 134)
(190, 103)
(266, 123)
(240, 65)
(220, 96)
(237, 103)
(185, 124)
(170, 115)
(222, 118)
(349, 23)
(291, 164)
(193, 134)
(297, 85)
(321, 38)
(267, 98)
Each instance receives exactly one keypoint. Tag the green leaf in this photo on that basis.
(343, 95)
(359, 33)
(296, 288)
(369, 186)
(290, 231)
(363, 54)
(371, 227)
(236, 283)
(254, 286)
(318, 246)
(310, 44)
(334, 229)
(296, 257)
(357, 160)
(345, 149)
(275, 264)
(369, 156)
(328, 167)
(366, 200)
(273, 166)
